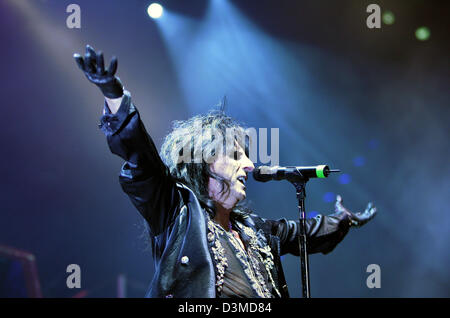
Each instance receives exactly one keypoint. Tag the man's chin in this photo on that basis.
(234, 198)
(242, 196)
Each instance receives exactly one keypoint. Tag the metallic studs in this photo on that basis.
(184, 260)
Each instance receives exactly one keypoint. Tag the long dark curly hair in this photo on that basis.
(193, 144)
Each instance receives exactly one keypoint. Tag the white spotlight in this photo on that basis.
(155, 10)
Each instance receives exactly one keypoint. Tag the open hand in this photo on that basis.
(357, 219)
(94, 68)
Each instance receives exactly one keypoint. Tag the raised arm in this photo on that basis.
(144, 177)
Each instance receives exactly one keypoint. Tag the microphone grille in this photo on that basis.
(262, 173)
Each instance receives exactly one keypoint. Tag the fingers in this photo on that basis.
(94, 62)
(90, 50)
(100, 63)
(370, 210)
(338, 205)
(369, 214)
(112, 66)
(359, 218)
(356, 219)
(373, 212)
(89, 59)
(79, 60)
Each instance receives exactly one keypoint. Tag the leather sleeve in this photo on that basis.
(143, 177)
(323, 233)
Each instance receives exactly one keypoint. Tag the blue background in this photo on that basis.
(373, 103)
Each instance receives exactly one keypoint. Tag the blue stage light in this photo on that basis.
(312, 214)
(359, 161)
(329, 197)
(345, 179)
(373, 143)
(155, 10)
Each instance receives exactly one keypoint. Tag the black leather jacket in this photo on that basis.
(178, 224)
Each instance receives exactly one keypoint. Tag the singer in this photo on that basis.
(205, 242)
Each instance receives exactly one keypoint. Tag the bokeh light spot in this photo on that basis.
(329, 197)
(345, 178)
(388, 17)
(373, 143)
(312, 214)
(423, 33)
(359, 161)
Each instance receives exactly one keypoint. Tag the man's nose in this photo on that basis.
(248, 165)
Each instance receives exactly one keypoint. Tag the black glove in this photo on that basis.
(93, 67)
(356, 219)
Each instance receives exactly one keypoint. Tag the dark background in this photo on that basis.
(372, 102)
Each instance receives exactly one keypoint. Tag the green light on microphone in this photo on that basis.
(320, 171)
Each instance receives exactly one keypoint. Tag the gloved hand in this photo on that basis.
(356, 219)
(93, 67)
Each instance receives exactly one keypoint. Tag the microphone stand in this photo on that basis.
(300, 185)
(299, 180)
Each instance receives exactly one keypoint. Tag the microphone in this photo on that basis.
(291, 173)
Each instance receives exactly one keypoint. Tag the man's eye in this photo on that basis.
(238, 155)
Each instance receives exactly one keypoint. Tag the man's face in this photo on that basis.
(235, 171)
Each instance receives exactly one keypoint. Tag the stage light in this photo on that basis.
(345, 179)
(388, 17)
(373, 143)
(423, 33)
(312, 214)
(359, 161)
(155, 10)
(329, 197)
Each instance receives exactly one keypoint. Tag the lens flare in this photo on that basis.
(155, 10)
